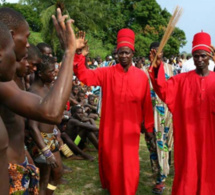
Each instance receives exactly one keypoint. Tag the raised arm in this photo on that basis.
(166, 90)
(87, 76)
(50, 108)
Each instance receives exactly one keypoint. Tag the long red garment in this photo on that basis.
(126, 103)
(191, 99)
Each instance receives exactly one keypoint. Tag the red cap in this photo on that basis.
(125, 38)
(201, 41)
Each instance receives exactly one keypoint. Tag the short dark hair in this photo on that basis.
(11, 18)
(75, 108)
(154, 45)
(5, 36)
(74, 86)
(80, 92)
(45, 63)
(91, 96)
(33, 52)
(41, 46)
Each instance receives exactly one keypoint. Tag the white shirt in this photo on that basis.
(189, 65)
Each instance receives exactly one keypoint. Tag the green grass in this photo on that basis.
(84, 178)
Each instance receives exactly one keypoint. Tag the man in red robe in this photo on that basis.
(126, 103)
(191, 99)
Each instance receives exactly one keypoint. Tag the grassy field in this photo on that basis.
(84, 178)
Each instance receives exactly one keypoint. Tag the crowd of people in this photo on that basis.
(47, 111)
(141, 62)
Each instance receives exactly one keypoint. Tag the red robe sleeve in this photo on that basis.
(148, 115)
(87, 76)
(166, 90)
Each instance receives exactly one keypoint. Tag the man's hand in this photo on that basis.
(52, 161)
(212, 51)
(85, 50)
(64, 31)
(80, 40)
(152, 56)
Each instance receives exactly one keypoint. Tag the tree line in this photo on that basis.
(101, 20)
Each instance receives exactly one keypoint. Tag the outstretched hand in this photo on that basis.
(80, 40)
(64, 31)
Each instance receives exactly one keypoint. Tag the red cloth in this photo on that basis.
(125, 37)
(191, 99)
(201, 41)
(126, 102)
(68, 105)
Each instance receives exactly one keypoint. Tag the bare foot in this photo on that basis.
(74, 157)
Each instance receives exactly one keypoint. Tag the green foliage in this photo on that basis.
(97, 48)
(102, 19)
(142, 45)
(30, 15)
(48, 35)
(35, 38)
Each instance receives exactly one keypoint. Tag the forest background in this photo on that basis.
(101, 20)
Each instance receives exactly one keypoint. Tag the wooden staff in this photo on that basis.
(170, 27)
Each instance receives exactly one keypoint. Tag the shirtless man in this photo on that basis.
(7, 70)
(22, 68)
(45, 134)
(91, 108)
(81, 98)
(27, 104)
(12, 120)
(78, 128)
(34, 58)
(73, 96)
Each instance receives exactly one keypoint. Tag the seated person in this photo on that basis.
(81, 98)
(76, 82)
(77, 130)
(89, 91)
(71, 149)
(74, 96)
(84, 89)
(91, 108)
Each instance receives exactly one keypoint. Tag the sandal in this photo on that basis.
(159, 188)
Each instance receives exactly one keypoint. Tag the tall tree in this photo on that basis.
(102, 19)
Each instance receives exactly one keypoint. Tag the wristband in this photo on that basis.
(45, 148)
(51, 187)
(50, 156)
(47, 153)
